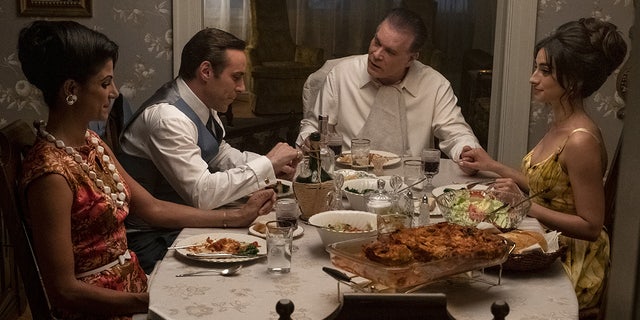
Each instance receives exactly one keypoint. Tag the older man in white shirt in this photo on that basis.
(419, 103)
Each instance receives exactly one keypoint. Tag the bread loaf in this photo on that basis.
(525, 238)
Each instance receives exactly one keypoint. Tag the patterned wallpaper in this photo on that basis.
(144, 32)
(142, 29)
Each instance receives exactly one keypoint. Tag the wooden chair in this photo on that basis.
(15, 138)
(396, 306)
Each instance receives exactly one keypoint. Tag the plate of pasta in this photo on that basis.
(222, 247)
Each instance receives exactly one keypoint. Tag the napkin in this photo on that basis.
(386, 125)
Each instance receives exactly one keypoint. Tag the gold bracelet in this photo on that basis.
(224, 219)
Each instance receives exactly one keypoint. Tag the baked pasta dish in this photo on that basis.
(440, 241)
(225, 245)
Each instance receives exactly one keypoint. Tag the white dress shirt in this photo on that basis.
(349, 92)
(169, 138)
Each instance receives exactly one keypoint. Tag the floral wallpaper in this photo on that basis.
(142, 29)
(604, 103)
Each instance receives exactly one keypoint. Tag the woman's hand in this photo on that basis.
(506, 184)
(476, 159)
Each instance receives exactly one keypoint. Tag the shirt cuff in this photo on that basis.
(263, 170)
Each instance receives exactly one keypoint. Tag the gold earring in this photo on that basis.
(71, 99)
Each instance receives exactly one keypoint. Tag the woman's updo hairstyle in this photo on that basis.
(52, 52)
(583, 54)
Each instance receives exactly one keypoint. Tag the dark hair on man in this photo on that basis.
(407, 20)
(209, 44)
(52, 52)
(583, 54)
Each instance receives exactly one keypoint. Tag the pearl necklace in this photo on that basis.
(118, 197)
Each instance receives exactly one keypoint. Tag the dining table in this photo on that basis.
(252, 293)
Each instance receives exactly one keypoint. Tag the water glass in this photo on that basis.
(412, 172)
(360, 153)
(287, 210)
(279, 236)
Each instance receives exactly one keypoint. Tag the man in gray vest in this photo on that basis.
(174, 145)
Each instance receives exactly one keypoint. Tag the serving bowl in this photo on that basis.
(330, 225)
(470, 207)
(358, 200)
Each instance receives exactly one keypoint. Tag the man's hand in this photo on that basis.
(284, 160)
(465, 158)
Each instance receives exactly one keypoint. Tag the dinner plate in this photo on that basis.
(440, 190)
(350, 174)
(201, 238)
(296, 233)
(392, 158)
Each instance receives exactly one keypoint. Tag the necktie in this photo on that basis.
(386, 125)
(214, 127)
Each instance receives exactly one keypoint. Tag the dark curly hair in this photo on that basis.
(52, 52)
(583, 54)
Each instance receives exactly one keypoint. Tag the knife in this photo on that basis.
(223, 255)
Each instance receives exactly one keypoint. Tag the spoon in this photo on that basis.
(223, 272)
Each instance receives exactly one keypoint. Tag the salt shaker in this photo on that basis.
(424, 215)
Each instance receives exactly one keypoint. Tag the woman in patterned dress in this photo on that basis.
(570, 160)
(77, 193)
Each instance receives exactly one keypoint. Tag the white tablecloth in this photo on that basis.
(253, 292)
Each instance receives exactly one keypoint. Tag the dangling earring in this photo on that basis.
(71, 99)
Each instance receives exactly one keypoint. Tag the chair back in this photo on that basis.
(15, 139)
(111, 129)
(314, 83)
(396, 306)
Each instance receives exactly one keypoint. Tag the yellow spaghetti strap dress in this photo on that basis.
(585, 262)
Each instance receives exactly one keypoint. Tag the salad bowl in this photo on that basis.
(503, 209)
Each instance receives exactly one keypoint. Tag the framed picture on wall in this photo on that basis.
(55, 8)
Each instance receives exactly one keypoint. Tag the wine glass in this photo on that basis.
(431, 166)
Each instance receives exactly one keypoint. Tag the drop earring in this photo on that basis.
(71, 99)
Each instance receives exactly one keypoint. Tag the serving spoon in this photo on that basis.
(223, 272)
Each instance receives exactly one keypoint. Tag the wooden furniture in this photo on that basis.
(277, 66)
(17, 254)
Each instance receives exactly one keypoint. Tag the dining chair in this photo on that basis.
(396, 306)
(15, 139)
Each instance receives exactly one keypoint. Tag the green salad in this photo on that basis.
(470, 208)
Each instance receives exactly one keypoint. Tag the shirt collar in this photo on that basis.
(193, 101)
(408, 84)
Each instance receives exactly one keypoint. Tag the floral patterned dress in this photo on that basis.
(585, 262)
(97, 224)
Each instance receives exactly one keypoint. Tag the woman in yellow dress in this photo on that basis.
(570, 160)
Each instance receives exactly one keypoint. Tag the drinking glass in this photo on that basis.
(287, 212)
(334, 142)
(360, 153)
(412, 172)
(279, 236)
(431, 162)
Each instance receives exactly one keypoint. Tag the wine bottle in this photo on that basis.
(317, 173)
(327, 155)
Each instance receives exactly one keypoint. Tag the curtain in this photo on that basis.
(454, 25)
(228, 15)
(340, 27)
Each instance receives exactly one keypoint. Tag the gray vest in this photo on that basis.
(143, 170)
